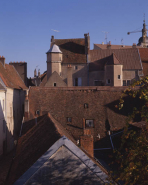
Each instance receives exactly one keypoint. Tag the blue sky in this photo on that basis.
(25, 25)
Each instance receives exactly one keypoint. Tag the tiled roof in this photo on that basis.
(105, 46)
(129, 58)
(73, 50)
(43, 82)
(144, 58)
(143, 54)
(69, 102)
(34, 143)
(112, 60)
(10, 77)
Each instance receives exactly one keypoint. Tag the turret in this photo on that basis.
(54, 59)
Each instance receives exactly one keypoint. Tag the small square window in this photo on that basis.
(89, 123)
(54, 84)
(119, 77)
(69, 119)
(86, 105)
(37, 112)
(108, 81)
(75, 67)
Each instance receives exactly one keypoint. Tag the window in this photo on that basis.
(76, 82)
(86, 105)
(128, 82)
(54, 84)
(69, 119)
(108, 81)
(89, 123)
(119, 77)
(37, 112)
(98, 83)
(124, 82)
(75, 67)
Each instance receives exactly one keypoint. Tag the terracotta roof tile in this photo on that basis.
(144, 58)
(11, 77)
(105, 46)
(34, 143)
(73, 50)
(129, 58)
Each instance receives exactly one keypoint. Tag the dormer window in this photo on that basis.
(37, 112)
(89, 123)
(86, 105)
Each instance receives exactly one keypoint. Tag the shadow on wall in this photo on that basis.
(128, 107)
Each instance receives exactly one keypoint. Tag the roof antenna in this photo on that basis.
(144, 18)
(56, 31)
(122, 41)
(105, 35)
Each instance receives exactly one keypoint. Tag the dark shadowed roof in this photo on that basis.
(73, 50)
(105, 46)
(35, 141)
(112, 60)
(10, 77)
(129, 58)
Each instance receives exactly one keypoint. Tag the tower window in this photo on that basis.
(54, 84)
(119, 77)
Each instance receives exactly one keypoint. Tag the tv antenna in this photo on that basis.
(122, 41)
(105, 32)
(56, 31)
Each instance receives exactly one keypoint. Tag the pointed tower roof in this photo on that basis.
(113, 60)
(54, 49)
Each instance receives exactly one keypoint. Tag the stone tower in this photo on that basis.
(54, 59)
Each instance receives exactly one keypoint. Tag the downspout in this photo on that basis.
(87, 70)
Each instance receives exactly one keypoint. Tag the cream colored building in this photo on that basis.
(12, 95)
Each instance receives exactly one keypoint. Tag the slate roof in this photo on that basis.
(73, 50)
(129, 58)
(104, 46)
(54, 49)
(34, 142)
(10, 77)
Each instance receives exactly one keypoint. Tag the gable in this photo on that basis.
(55, 78)
(64, 162)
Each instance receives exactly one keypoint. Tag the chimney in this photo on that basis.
(69, 76)
(134, 45)
(39, 73)
(87, 43)
(35, 73)
(26, 106)
(2, 60)
(87, 141)
(109, 45)
(52, 39)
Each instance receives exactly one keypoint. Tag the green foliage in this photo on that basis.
(132, 156)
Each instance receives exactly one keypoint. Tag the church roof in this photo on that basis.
(54, 49)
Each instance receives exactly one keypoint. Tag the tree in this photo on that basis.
(132, 156)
